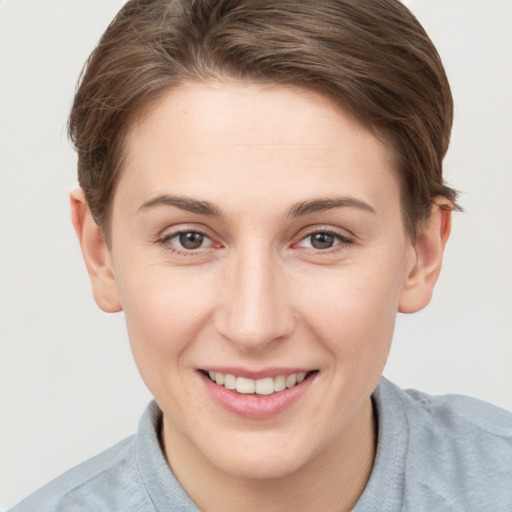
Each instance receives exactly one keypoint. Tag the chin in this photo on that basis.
(271, 467)
(261, 456)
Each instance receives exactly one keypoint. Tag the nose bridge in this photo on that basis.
(256, 310)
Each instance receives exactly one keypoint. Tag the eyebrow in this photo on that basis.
(319, 205)
(297, 210)
(184, 203)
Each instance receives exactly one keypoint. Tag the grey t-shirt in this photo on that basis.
(445, 453)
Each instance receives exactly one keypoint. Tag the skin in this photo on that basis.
(275, 165)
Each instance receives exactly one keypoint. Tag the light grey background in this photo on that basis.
(68, 386)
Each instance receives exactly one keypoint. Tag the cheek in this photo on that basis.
(164, 315)
(164, 311)
(354, 309)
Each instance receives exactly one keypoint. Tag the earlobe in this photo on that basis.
(96, 254)
(429, 249)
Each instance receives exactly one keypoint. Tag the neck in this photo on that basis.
(332, 481)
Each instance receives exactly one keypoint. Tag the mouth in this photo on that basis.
(264, 387)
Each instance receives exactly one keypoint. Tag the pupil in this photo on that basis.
(191, 240)
(322, 240)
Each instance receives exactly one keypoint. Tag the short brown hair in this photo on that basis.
(372, 57)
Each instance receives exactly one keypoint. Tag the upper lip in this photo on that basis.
(257, 374)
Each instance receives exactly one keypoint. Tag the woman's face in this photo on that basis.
(257, 234)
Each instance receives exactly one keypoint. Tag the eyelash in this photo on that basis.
(343, 241)
(165, 241)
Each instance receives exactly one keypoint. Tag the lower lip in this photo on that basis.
(256, 406)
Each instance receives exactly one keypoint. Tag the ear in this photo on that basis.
(96, 254)
(429, 248)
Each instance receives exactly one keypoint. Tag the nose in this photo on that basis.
(255, 311)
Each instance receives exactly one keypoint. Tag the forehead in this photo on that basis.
(268, 141)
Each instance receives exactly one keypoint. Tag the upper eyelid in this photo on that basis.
(342, 240)
(344, 234)
(170, 231)
(170, 236)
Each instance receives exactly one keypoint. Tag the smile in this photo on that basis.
(265, 386)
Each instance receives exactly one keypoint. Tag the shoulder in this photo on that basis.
(459, 449)
(100, 483)
(461, 412)
(131, 476)
(453, 422)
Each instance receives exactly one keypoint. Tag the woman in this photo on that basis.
(261, 192)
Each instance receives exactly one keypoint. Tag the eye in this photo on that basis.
(190, 240)
(187, 241)
(323, 240)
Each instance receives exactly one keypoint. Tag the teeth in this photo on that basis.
(244, 385)
(280, 383)
(229, 381)
(291, 380)
(266, 386)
